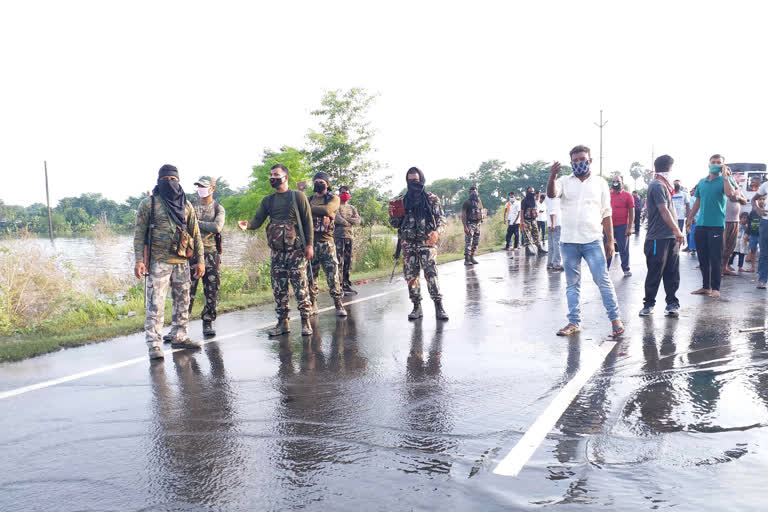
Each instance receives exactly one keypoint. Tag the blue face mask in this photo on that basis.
(580, 168)
(715, 169)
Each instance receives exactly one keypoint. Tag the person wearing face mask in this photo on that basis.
(419, 220)
(471, 218)
(623, 208)
(346, 220)
(541, 218)
(290, 237)
(585, 205)
(530, 212)
(324, 206)
(512, 219)
(711, 195)
(159, 218)
(210, 219)
(662, 242)
(638, 210)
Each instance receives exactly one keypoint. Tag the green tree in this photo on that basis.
(372, 207)
(447, 190)
(342, 146)
(636, 172)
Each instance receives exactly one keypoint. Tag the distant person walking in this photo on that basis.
(754, 233)
(585, 204)
(662, 241)
(554, 258)
(530, 212)
(541, 219)
(638, 210)
(682, 202)
(166, 225)
(471, 218)
(512, 219)
(623, 208)
(711, 194)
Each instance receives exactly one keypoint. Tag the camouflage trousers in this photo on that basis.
(211, 283)
(290, 267)
(420, 257)
(344, 255)
(532, 233)
(325, 256)
(161, 277)
(471, 239)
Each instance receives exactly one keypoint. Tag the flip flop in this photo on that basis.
(617, 330)
(568, 330)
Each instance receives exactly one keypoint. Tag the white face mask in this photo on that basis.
(203, 191)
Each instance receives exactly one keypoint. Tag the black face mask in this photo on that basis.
(275, 182)
(616, 185)
(320, 188)
(677, 188)
(415, 186)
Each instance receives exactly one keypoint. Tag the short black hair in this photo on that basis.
(282, 168)
(343, 187)
(473, 187)
(510, 193)
(580, 149)
(663, 163)
(635, 192)
(717, 155)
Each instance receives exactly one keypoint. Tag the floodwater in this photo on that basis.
(374, 412)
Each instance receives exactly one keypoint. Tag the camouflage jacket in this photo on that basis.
(411, 229)
(346, 219)
(322, 208)
(210, 220)
(163, 232)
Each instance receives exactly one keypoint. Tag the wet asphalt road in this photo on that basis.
(378, 413)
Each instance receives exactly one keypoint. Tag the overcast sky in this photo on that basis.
(107, 92)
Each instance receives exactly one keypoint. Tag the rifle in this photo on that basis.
(396, 257)
(310, 276)
(147, 256)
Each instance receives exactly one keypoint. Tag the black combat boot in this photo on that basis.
(340, 311)
(348, 290)
(416, 313)
(467, 261)
(283, 327)
(440, 313)
(306, 329)
(472, 259)
(208, 329)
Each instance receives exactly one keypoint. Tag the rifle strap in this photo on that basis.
(149, 230)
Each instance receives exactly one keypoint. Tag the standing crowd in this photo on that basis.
(177, 243)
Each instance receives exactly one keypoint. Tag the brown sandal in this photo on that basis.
(568, 330)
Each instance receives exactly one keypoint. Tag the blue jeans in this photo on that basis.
(762, 264)
(622, 242)
(554, 258)
(595, 258)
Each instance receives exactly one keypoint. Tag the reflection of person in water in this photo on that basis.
(313, 409)
(710, 341)
(655, 398)
(474, 297)
(193, 462)
(427, 411)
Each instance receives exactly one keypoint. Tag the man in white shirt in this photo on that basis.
(585, 205)
(682, 202)
(541, 217)
(512, 218)
(554, 259)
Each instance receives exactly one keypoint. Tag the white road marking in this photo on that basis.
(136, 360)
(518, 457)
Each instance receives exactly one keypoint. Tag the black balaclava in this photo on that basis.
(529, 201)
(172, 194)
(474, 198)
(416, 199)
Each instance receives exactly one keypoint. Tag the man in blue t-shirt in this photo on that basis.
(711, 194)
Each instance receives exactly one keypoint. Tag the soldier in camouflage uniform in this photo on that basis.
(163, 267)
(471, 217)
(346, 219)
(419, 220)
(289, 218)
(324, 208)
(210, 219)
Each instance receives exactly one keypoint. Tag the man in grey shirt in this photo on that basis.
(662, 243)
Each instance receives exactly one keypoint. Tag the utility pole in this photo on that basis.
(48, 201)
(601, 140)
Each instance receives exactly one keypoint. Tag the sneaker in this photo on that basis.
(672, 310)
(627, 273)
(186, 343)
(646, 311)
(155, 353)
